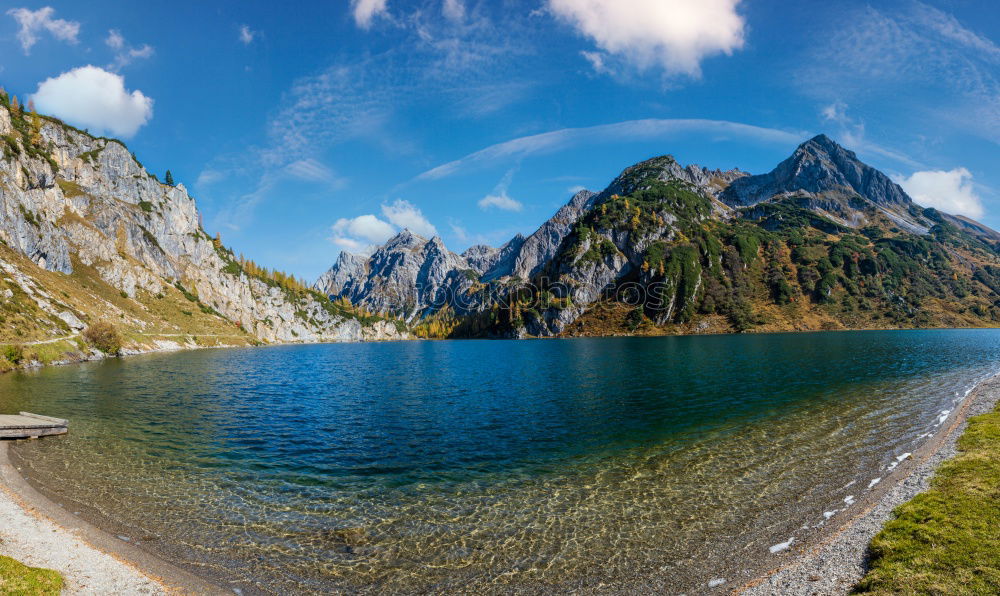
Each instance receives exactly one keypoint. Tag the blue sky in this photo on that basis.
(328, 126)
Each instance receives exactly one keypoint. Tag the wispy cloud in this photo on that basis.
(312, 170)
(125, 53)
(631, 129)
(246, 34)
(453, 9)
(365, 11)
(851, 132)
(470, 65)
(33, 22)
(871, 55)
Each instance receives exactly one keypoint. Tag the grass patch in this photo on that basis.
(18, 578)
(70, 189)
(947, 540)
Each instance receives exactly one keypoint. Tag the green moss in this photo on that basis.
(947, 540)
(17, 578)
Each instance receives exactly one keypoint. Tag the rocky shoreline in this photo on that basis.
(835, 562)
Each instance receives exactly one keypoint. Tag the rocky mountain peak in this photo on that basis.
(403, 240)
(665, 168)
(819, 166)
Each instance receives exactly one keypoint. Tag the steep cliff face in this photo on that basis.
(821, 241)
(409, 276)
(69, 201)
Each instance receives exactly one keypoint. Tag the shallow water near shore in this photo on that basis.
(493, 466)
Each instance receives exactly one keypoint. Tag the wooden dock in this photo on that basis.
(31, 426)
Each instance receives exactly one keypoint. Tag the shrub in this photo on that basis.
(104, 336)
(13, 353)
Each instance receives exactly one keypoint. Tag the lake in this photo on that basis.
(606, 464)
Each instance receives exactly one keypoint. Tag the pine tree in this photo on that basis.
(15, 106)
(169, 178)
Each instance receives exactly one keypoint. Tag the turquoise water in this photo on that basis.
(491, 466)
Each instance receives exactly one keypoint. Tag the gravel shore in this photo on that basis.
(41, 533)
(32, 538)
(839, 560)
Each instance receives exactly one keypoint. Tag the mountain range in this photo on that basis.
(823, 241)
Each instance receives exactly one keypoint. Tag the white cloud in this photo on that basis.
(125, 53)
(950, 191)
(675, 35)
(405, 215)
(575, 189)
(499, 198)
(246, 34)
(365, 11)
(453, 9)
(91, 97)
(33, 22)
(362, 231)
(500, 201)
(630, 129)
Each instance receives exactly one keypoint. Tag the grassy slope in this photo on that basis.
(169, 316)
(16, 578)
(947, 540)
(920, 289)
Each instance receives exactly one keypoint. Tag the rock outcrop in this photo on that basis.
(68, 199)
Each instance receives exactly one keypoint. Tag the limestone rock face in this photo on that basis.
(91, 201)
(541, 246)
(338, 279)
(819, 165)
(408, 276)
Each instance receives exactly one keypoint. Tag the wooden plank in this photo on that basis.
(25, 433)
(58, 421)
(25, 422)
(27, 425)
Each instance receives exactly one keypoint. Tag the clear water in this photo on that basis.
(491, 466)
